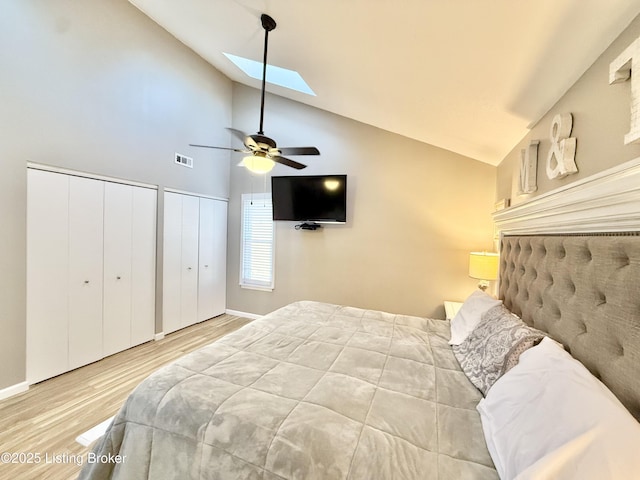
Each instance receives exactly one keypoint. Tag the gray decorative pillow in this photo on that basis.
(494, 346)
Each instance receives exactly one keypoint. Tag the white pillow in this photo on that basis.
(470, 315)
(549, 418)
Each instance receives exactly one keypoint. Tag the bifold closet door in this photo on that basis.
(189, 273)
(194, 260)
(212, 252)
(129, 269)
(91, 247)
(172, 262)
(143, 265)
(180, 261)
(47, 274)
(86, 206)
(118, 224)
(220, 258)
(64, 273)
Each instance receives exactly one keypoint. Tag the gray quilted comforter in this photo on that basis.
(310, 391)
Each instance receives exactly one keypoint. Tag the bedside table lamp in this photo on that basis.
(484, 267)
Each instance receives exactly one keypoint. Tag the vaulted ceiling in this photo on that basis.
(469, 76)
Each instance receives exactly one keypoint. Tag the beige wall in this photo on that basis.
(414, 213)
(98, 87)
(601, 114)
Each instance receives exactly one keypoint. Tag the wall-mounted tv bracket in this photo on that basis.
(308, 226)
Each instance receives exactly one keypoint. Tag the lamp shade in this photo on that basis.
(258, 164)
(483, 265)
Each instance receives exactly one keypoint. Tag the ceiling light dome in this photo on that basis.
(258, 163)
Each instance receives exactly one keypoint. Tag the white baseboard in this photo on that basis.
(158, 336)
(238, 313)
(14, 390)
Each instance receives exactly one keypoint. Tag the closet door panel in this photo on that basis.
(213, 255)
(143, 265)
(118, 224)
(86, 200)
(206, 267)
(47, 274)
(172, 263)
(189, 290)
(219, 262)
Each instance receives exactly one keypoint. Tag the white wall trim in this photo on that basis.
(75, 173)
(608, 201)
(14, 390)
(158, 336)
(253, 316)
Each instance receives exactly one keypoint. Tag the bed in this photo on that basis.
(309, 391)
(321, 391)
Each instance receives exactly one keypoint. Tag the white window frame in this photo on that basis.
(256, 201)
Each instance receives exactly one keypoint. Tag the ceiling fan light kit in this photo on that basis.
(258, 164)
(264, 151)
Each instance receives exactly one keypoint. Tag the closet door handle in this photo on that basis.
(118, 278)
(86, 282)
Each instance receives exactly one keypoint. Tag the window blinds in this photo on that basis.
(257, 249)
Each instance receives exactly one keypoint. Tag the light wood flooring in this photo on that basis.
(47, 418)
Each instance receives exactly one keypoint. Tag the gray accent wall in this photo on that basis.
(601, 116)
(100, 88)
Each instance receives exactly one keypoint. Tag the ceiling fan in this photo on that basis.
(264, 151)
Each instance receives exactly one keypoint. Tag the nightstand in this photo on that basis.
(451, 308)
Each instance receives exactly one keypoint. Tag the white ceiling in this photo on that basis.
(469, 76)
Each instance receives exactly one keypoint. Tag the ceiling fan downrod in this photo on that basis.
(268, 24)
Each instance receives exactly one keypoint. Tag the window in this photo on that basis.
(276, 75)
(257, 242)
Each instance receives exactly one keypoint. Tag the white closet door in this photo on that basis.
(86, 198)
(118, 224)
(213, 242)
(143, 267)
(220, 259)
(206, 261)
(189, 284)
(172, 263)
(47, 274)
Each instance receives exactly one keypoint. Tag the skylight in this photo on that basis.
(276, 75)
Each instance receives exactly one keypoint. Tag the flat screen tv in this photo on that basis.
(310, 198)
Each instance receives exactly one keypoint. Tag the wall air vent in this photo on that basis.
(184, 160)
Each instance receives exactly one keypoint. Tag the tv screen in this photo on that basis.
(319, 198)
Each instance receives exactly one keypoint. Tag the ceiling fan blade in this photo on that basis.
(240, 135)
(299, 151)
(248, 141)
(220, 148)
(288, 162)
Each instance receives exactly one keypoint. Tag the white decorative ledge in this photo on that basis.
(608, 201)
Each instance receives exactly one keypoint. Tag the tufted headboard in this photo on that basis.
(584, 290)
